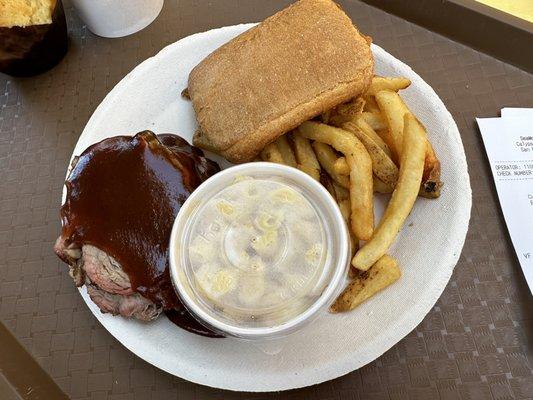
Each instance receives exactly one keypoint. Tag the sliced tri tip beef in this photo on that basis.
(122, 196)
(131, 306)
(71, 255)
(107, 284)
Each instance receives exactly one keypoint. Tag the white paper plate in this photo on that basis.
(149, 98)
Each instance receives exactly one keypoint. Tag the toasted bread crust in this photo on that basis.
(291, 67)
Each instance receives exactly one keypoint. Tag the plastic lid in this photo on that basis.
(256, 247)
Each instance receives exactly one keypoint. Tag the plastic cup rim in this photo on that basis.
(330, 291)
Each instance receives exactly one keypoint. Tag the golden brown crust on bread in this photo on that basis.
(201, 140)
(293, 66)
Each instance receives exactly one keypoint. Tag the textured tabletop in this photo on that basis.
(476, 343)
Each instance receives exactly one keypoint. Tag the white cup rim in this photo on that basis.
(329, 293)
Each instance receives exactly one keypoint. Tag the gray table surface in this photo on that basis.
(476, 343)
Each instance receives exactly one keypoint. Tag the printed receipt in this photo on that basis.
(509, 145)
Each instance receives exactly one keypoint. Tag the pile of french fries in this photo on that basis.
(371, 144)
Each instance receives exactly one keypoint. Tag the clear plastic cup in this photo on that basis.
(259, 250)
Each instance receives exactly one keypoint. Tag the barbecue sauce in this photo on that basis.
(123, 195)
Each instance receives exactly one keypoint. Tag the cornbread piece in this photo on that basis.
(291, 67)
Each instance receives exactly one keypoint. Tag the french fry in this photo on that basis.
(385, 135)
(271, 153)
(327, 182)
(327, 157)
(382, 187)
(360, 125)
(341, 192)
(382, 166)
(286, 151)
(324, 117)
(366, 284)
(360, 163)
(403, 197)
(347, 111)
(343, 199)
(305, 156)
(431, 183)
(380, 83)
(356, 106)
(341, 166)
(394, 110)
(344, 206)
(375, 120)
(370, 104)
